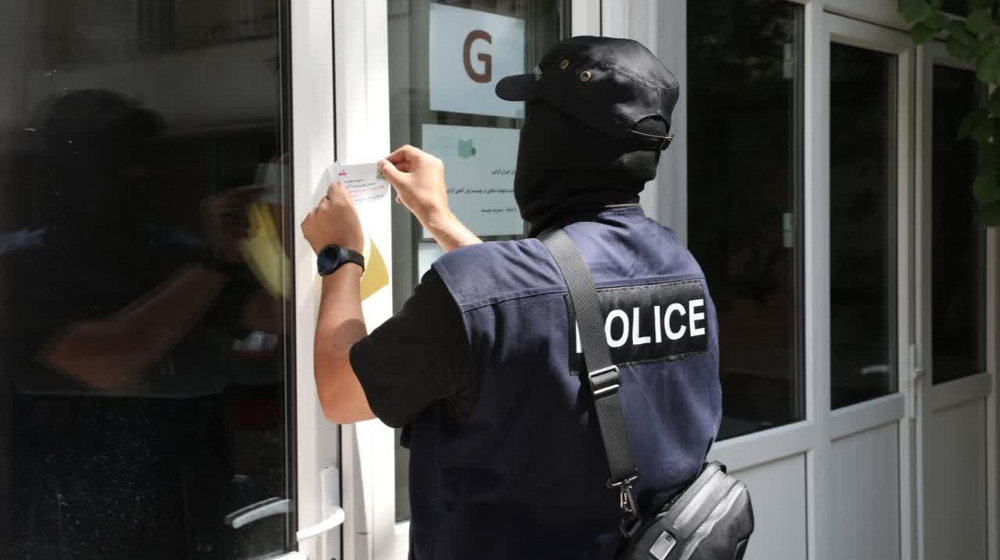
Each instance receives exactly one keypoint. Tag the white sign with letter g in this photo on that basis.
(470, 51)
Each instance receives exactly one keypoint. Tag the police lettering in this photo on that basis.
(639, 326)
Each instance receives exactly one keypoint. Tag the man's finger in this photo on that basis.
(391, 172)
(346, 195)
(405, 153)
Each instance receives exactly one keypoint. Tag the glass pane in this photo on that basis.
(958, 274)
(444, 61)
(863, 153)
(744, 92)
(144, 377)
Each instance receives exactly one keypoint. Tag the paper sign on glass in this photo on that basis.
(479, 170)
(470, 51)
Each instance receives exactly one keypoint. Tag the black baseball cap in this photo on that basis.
(615, 86)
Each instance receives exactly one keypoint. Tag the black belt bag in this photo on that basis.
(712, 519)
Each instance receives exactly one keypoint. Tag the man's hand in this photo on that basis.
(334, 222)
(224, 218)
(418, 178)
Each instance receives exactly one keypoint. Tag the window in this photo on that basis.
(433, 109)
(745, 185)
(144, 322)
(863, 155)
(958, 239)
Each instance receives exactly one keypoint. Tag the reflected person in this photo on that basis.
(123, 326)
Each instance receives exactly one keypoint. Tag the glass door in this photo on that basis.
(953, 381)
(870, 151)
(147, 334)
(444, 61)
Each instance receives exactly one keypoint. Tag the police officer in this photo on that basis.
(482, 363)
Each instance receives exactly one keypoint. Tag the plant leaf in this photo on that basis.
(923, 33)
(961, 43)
(986, 188)
(914, 10)
(965, 129)
(936, 20)
(980, 21)
(990, 214)
(994, 103)
(955, 27)
(988, 65)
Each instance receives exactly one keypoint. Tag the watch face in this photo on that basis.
(328, 260)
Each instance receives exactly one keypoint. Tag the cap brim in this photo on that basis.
(520, 87)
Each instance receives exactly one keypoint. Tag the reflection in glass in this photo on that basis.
(143, 281)
(862, 224)
(958, 245)
(545, 23)
(744, 190)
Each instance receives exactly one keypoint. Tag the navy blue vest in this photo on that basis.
(526, 476)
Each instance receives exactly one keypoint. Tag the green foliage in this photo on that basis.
(975, 41)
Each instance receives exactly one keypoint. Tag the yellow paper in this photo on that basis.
(376, 275)
(263, 252)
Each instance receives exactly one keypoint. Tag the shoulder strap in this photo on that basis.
(602, 373)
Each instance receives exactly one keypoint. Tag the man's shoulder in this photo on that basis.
(495, 271)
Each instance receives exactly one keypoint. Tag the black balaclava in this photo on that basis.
(567, 170)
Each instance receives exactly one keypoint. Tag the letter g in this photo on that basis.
(486, 75)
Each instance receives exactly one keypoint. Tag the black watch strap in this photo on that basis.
(352, 257)
(332, 257)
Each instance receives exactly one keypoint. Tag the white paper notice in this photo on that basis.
(479, 169)
(363, 181)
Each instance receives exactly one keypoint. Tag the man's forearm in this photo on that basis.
(109, 353)
(339, 326)
(448, 231)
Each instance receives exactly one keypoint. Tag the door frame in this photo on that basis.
(928, 397)
(313, 148)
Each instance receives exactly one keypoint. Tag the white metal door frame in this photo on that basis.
(929, 397)
(312, 119)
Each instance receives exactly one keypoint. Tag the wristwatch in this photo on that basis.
(332, 257)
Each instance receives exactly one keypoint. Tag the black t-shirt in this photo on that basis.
(418, 359)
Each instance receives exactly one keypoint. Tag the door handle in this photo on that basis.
(333, 514)
(334, 519)
(258, 511)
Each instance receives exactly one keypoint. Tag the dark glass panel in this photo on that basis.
(863, 156)
(744, 94)
(958, 277)
(144, 372)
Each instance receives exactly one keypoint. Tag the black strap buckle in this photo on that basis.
(604, 381)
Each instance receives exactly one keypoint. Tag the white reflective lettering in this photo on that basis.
(673, 307)
(637, 339)
(656, 324)
(694, 316)
(619, 342)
